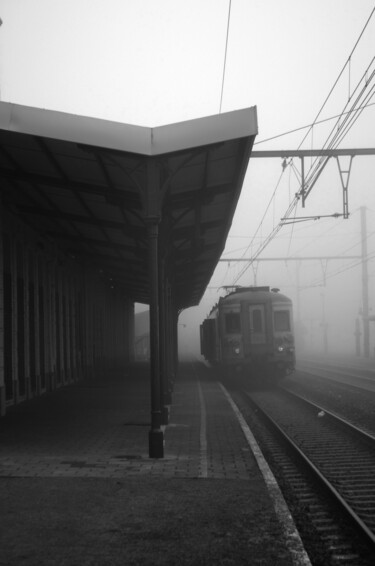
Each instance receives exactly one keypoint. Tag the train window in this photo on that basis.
(257, 320)
(281, 321)
(232, 322)
(257, 324)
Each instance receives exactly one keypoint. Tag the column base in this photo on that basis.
(156, 443)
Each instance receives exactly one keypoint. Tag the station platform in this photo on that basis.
(77, 486)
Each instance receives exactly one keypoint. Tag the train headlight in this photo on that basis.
(237, 351)
(280, 348)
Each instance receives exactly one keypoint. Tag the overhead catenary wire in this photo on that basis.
(319, 282)
(288, 132)
(357, 262)
(292, 231)
(321, 235)
(334, 138)
(339, 75)
(339, 131)
(225, 56)
(259, 227)
(337, 134)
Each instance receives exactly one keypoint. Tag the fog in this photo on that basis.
(309, 69)
(309, 95)
(327, 294)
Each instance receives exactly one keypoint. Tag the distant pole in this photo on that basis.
(298, 285)
(365, 306)
(324, 326)
(357, 334)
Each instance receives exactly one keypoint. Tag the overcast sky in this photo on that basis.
(153, 62)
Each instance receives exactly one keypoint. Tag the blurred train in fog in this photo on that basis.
(251, 329)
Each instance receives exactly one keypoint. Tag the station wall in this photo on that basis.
(60, 319)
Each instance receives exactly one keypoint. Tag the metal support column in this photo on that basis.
(170, 348)
(163, 344)
(152, 219)
(156, 435)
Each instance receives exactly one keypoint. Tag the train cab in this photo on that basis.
(251, 329)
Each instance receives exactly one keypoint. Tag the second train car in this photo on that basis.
(251, 329)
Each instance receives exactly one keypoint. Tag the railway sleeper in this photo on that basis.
(364, 505)
(342, 554)
(323, 522)
(367, 491)
(346, 558)
(324, 529)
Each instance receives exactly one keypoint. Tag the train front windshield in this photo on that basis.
(281, 320)
(232, 323)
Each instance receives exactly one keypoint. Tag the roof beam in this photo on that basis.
(135, 231)
(187, 198)
(184, 233)
(123, 196)
(313, 152)
(136, 250)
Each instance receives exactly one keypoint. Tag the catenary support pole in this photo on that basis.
(365, 305)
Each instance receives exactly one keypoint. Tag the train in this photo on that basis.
(250, 330)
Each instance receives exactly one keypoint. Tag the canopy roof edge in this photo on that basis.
(127, 137)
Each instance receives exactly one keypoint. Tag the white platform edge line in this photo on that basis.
(203, 458)
(202, 435)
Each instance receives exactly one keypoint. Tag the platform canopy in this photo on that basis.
(92, 186)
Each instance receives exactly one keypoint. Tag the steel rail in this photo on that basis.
(358, 523)
(336, 418)
(325, 372)
(337, 367)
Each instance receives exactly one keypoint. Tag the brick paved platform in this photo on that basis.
(100, 429)
(97, 431)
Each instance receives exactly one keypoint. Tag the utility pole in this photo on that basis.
(324, 326)
(365, 307)
(298, 290)
(357, 334)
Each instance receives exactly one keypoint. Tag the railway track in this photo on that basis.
(361, 377)
(337, 457)
(343, 397)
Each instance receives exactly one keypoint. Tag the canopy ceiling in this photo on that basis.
(92, 185)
